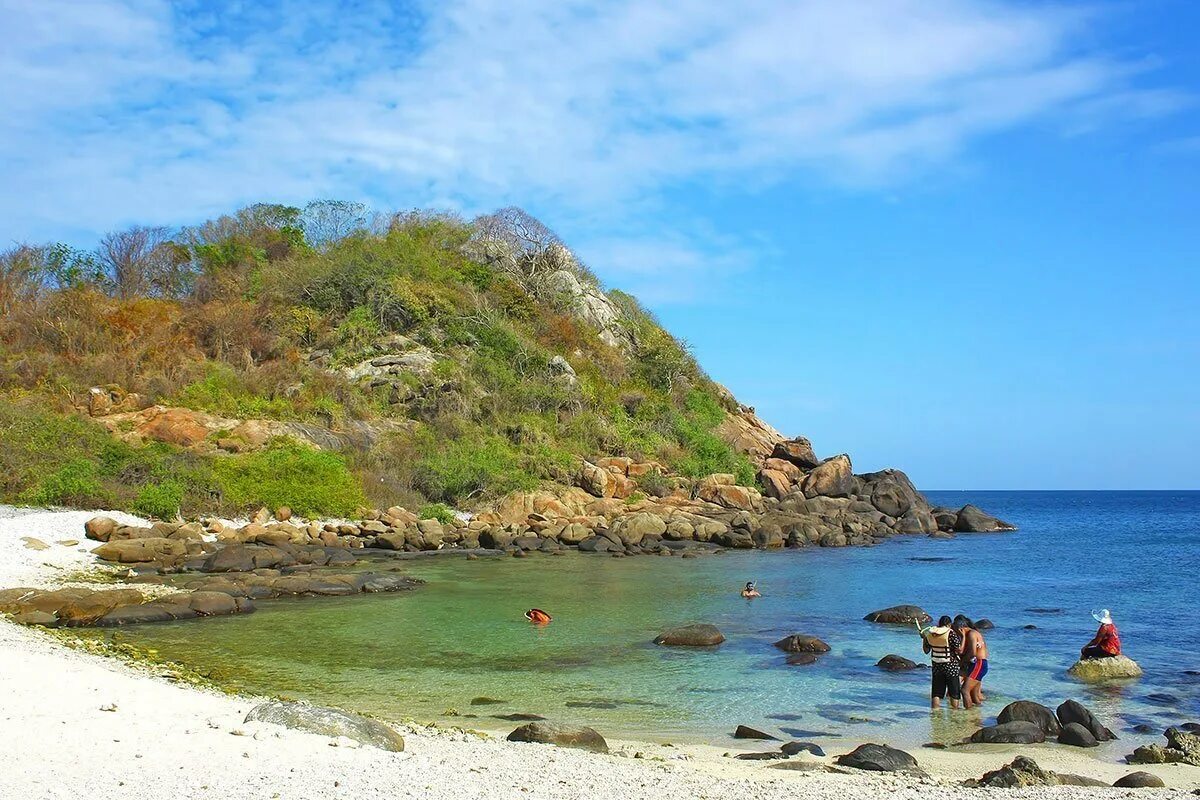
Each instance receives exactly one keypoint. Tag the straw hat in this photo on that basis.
(1103, 616)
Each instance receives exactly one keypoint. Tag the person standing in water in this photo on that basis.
(975, 661)
(751, 590)
(1106, 643)
(944, 646)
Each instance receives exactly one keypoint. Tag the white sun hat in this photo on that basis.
(1103, 616)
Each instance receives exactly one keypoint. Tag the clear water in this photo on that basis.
(423, 654)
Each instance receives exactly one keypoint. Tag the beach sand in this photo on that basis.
(78, 725)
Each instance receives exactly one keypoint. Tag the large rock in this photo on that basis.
(880, 758)
(746, 732)
(1140, 780)
(972, 519)
(899, 615)
(1076, 735)
(1101, 670)
(178, 426)
(1018, 732)
(595, 480)
(833, 477)
(895, 663)
(1182, 748)
(88, 608)
(141, 551)
(701, 635)
(1072, 711)
(1024, 771)
(1029, 711)
(544, 732)
(722, 490)
(800, 643)
(99, 528)
(632, 529)
(798, 451)
(330, 722)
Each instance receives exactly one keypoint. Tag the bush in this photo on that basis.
(160, 500)
(75, 483)
(439, 511)
(287, 473)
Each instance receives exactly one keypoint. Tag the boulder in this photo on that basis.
(543, 732)
(329, 722)
(90, 607)
(833, 477)
(972, 519)
(1140, 780)
(595, 480)
(880, 758)
(800, 643)
(899, 615)
(1029, 711)
(1076, 735)
(774, 483)
(1017, 732)
(1182, 748)
(1020, 773)
(722, 490)
(178, 426)
(787, 468)
(1101, 670)
(895, 663)
(100, 528)
(141, 551)
(746, 732)
(700, 635)
(793, 748)
(1072, 711)
(633, 528)
(798, 451)
(890, 498)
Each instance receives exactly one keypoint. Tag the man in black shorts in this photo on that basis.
(944, 645)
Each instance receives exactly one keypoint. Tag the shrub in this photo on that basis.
(287, 473)
(76, 482)
(160, 500)
(439, 511)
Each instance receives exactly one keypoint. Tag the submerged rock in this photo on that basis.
(330, 722)
(880, 758)
(1099, 670)
(899, 615)
(802, 659)
(690, 636)
(576, 736)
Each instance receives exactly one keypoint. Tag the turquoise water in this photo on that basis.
(426, 654)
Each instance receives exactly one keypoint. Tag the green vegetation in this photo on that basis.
(261, 314)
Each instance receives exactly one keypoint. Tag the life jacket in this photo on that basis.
(938, 640)
(537, 616)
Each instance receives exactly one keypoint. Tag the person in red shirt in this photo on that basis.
(1106, 643)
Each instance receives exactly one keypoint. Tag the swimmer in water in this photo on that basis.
(751, 590)
(537, 616)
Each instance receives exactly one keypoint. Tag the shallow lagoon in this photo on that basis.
(428, 653)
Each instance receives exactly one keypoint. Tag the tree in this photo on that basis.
(22, 275)
(327, 222)
(140, 261)
(516, 242)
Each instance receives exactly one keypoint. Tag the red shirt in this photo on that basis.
(1109, 641)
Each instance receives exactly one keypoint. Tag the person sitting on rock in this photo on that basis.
(751, 590)
(1106, 643)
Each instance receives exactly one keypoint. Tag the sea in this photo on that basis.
(458, 651)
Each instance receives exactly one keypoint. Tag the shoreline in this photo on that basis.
(174, 739)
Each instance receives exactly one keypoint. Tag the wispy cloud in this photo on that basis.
(143, 110)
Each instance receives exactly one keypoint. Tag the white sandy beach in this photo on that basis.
(76, 725)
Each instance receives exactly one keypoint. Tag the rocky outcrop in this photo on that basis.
(880, 758)
(971, 519)
(1182, 748)
(833, 477)
(329, 722)
(700, 635)
(544, 732)
(1103, 670)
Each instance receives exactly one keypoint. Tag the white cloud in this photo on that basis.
(140, 110)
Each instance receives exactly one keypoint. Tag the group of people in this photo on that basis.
(958, 654)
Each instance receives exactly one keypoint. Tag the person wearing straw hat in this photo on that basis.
(1106, 643)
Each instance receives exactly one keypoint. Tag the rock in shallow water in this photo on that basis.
(746, 732)
(801, 643)
(1029, 711)
(579, 737)
(899, 615)
(1072, 711)
(1076, 735)
(1099, 670)
(895, 663)
(690, 636)
(1016, 732)
(330, 722)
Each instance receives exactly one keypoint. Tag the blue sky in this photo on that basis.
(956, 237)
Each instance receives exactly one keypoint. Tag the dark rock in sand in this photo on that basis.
(1076, 735)
(800, 643)
(1029, 711)
(1017, 732)
(330, 722)
(972, 519)
(792, 748)
(773, 755)
(899, 615)
(746, 732)
(880, 758)
(895, 663)
(690, 636)
(802, 659)
(1139, 780)
(580, 737)
(1071, 711)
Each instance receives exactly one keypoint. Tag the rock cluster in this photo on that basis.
(1024, 771)
(1026, 722)
(1182, 748)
